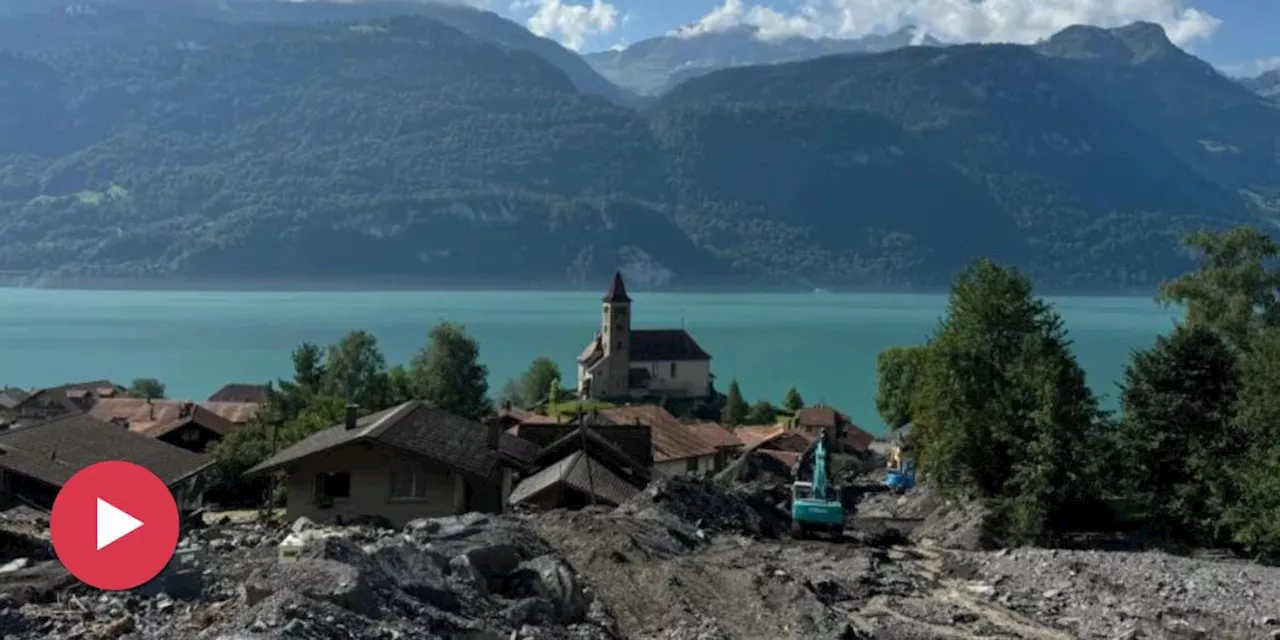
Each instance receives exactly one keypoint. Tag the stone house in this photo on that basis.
(410, 461)
(621, 362)
(36, 460)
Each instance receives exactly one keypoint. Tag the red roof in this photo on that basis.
(672, 439)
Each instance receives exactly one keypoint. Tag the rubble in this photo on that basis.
(685, 559)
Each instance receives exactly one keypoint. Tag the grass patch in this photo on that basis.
(573, 406)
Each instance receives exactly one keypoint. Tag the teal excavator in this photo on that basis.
(814, 506)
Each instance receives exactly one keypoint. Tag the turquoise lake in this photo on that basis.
(824, 344)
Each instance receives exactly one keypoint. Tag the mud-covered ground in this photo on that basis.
(682, 560)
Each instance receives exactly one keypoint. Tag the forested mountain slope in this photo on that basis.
(170, 144)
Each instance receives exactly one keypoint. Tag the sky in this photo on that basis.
(1241, 37)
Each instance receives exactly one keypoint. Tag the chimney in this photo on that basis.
(351, 416)
(495, 434)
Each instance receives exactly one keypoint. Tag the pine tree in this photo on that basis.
(735, 408)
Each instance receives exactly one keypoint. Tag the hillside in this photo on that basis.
(169, 144)
(1209, 121)
(484, 25)
(1095, 197)
(1266, 84)
(654, 65)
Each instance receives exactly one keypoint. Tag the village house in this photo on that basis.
(242, 392)
(37, 460)
(193, 428)
(581, 468)
(818, 420)
(677, 448)
(776, 441)
(145, 411)
(407, 462)
(45, 404)
(10, 398)
(621, 362)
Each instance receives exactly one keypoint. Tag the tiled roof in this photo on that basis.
(789, 458)
(672, 440)
(100, 387)
(580, 472)
(55, 450)
(600, 448)
(198, 415)
(518, 449)
(12, 397)
(134, 410)
(52, 396)
(524, 416)
(817, 417)
(413, 428)
(754, 435)
(714, 434)
(824, 417)
(651, 345)
(241, 392)
(634, 441)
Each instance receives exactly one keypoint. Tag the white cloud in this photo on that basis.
(1021, 21)
(571, 24)
(1251, 69)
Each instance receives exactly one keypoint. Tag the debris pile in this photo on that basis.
(470, 576)
(699, 502)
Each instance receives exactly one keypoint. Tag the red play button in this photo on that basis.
(114, 525)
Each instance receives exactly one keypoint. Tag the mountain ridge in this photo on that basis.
(405, 150)
(654, 65)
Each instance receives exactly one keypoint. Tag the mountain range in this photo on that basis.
(654, 65)
(246, 140)
(1266, 84)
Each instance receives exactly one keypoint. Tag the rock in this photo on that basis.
(303, 523)
(14, 565)
(555, 581)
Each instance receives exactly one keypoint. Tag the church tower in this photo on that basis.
(615, 335)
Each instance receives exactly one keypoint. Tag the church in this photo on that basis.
(622, 362)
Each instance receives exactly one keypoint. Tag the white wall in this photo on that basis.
(692, 377)
(674, 468)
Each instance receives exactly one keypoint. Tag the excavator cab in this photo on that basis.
(812, 509)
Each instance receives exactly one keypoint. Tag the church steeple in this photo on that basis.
(617, 291)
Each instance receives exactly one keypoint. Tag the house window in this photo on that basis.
(190, 435)
(673, 369)
(691, 465)
(408, 485)
(336, 486)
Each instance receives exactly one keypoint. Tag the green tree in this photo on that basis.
(897, 369)
(735, 408)
(1177, 402)
(1002, 411)
(146, 388)
(792, 401)
(355, 369)
(538, 378)
(1235, 286)
(448, 374)
(399, 385)
(1253, 512)
(290, 397)
(512, 393)
(762, 412)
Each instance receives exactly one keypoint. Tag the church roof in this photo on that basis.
(649, 345)
(617, 291)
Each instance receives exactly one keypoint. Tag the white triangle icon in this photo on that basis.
(113, 523)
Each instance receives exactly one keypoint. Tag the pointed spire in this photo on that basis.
(617, 291)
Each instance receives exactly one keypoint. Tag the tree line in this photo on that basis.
(446, 372)
(1000, 412)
